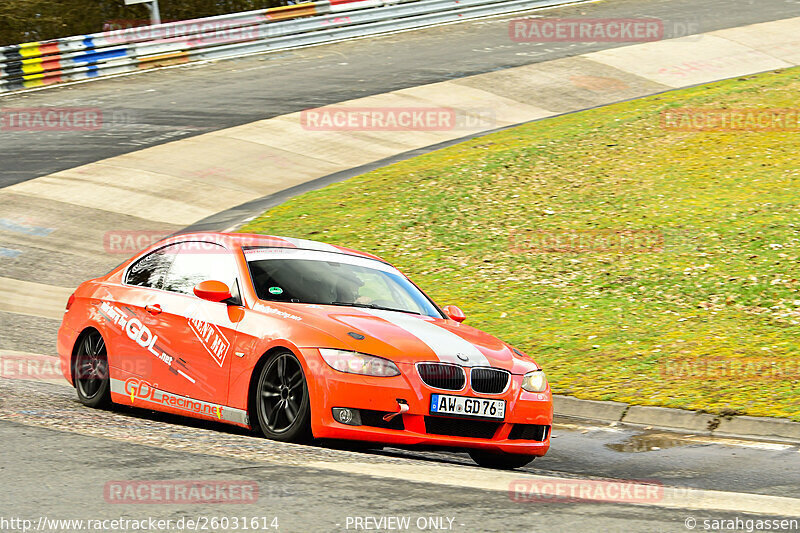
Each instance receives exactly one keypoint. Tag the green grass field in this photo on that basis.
(704, 315)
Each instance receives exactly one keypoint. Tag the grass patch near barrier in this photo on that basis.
(515, 228)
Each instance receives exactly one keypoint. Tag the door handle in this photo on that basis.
(153, 309)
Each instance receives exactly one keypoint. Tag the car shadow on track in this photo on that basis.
(451, 457)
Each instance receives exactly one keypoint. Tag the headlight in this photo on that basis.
(359, 363)
(535, 381)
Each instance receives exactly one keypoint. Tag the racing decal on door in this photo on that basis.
(258, 306)
(139, 390)
(212, 339)
(141, 335)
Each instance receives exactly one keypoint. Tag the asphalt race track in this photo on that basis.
(170, 104)
(78, 451)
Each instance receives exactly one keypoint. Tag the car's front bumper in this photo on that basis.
(328, 388)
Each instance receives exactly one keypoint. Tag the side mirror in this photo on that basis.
(213, 291)
(455, 313)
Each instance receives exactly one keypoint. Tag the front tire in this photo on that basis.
(282, 405)
(91, 371)
(500, 460)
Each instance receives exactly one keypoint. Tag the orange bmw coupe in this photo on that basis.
(300, 340)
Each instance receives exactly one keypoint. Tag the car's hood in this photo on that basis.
(409, 338)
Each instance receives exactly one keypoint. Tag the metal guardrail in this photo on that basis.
(128, 50)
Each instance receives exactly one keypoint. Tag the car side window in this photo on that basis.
(149, 271)
(199, 261)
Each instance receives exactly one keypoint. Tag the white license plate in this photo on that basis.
(442, 404)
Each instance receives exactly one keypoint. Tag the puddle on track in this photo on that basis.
(646, 442)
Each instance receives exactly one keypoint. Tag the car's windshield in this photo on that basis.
(327, 278)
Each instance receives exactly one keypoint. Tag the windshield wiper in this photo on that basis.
(373, 306)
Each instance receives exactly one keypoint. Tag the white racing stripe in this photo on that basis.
(448, 347)
(260, 254)
(311, 245)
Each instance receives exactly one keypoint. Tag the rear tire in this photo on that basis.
(90, 371)
(500, 460)
(281, 399)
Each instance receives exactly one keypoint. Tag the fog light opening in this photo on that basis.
(346, 415)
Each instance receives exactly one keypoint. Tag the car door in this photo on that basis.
(137, 334)
(202, 334)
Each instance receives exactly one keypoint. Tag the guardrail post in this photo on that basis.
(152, 6)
